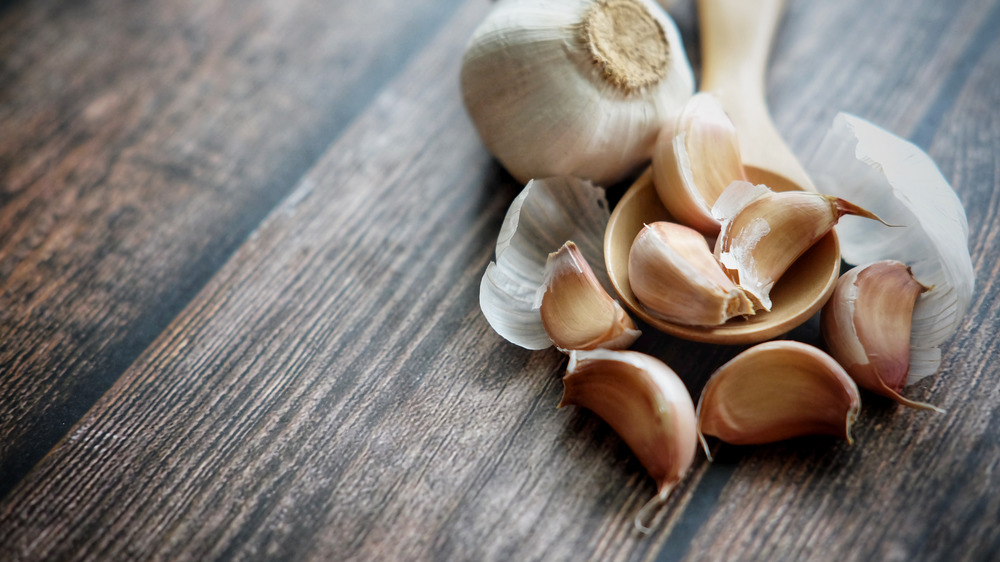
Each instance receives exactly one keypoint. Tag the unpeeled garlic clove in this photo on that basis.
(775, 391)
(764, 232)
(576, 310)
(546, 213)
(674, 275)
(695, 159)
(866, 325)
(869, 165)
(645, 402)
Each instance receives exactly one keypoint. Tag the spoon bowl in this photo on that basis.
(799, 294)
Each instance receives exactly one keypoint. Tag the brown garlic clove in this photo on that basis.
(695, 159)
(674, 275)
(764, 232)
(866, 325)
(775, 391)
(576, 311)
(645, 402)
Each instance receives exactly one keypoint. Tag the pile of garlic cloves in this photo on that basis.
(566, 106)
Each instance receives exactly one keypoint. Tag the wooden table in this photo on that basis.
(240, 253)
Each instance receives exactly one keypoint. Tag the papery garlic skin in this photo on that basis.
(866, 326)
(673, 274)
(576, 311)
(555, 88)
(540, 219)
(644, 401)
(695, 159)
(763, 232)
(896, 179)
(775, 391)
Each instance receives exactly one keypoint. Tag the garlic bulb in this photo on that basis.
(900, 182)
(546, 214)
(574, 87)
(645, 402)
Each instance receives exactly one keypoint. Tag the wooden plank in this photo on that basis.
(334, 393)
(140, 143)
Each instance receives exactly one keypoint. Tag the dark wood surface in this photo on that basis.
(240, 253)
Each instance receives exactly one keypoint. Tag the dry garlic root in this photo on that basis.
(674, 275)
(574, 87)
(646, 403)
(866, 325)
(775, 391)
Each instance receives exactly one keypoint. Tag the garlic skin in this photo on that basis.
(540, 219)
(574, 87)
(673, 274)
(775, 391)
(695, 159)
(866, 326)
(576, 311)
(645, 402)
(764, 232)
(896, 179)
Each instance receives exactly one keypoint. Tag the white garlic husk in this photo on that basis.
(540, 220)
(574, 87)
(901, 183)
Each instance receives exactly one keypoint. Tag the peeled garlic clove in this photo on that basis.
(866, 325)
(694, 161)
(674, 275)
(574, 87)
(645, 402)
(545, 214)
(764, 232)
(896, 179)
(576, 311)
(775, 391)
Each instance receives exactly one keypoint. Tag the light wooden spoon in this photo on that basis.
(736, 39)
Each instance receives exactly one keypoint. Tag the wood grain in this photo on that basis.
(137, 155)
(332, 391)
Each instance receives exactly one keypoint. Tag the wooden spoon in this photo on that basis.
(736, 39)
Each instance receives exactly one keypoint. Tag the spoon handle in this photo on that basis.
(736, 38)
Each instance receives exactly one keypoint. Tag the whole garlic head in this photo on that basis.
(574, 87)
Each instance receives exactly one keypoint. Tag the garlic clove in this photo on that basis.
(764, 232)
(576, 311)
(673, 274)
(574, 87)
(866, 325)
(544, 215)
(694, 161)
(896, 179)
(775, 391)
(645, 402)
